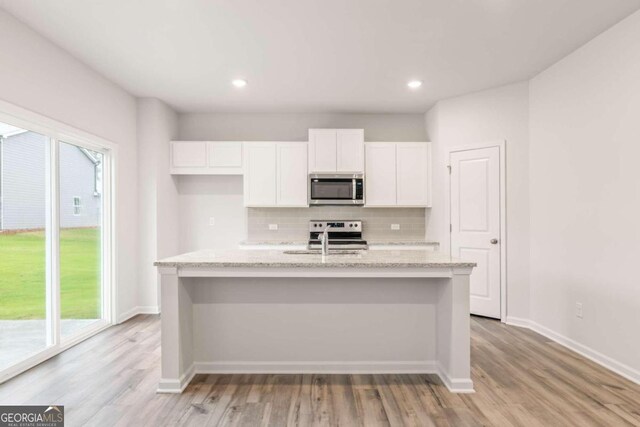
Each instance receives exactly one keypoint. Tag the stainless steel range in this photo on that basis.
(342, 234)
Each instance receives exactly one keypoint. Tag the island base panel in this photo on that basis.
(314, 325)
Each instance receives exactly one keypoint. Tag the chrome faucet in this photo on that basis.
(324, 240)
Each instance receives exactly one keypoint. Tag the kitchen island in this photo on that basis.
(269, 311)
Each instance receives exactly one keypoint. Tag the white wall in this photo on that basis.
(203, 197)
(158, 202)
(496, 114)
(295, 127)
(221, 197)
(585, 196)
(39, 76)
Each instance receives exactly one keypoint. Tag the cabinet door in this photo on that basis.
(188, 154)
(350, 150)
(413, 172)
(224, 154)
(260, 174)
(292, 174)
(380, 179)
(322, 146)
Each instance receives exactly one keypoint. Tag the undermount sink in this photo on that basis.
(318, 252)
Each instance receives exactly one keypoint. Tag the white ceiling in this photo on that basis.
(317, 55)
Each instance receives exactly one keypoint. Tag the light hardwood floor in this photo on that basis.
(521, 378)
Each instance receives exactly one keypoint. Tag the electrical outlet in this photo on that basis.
(212, 221)
(395, 226)
(273, 227)
(579, 310)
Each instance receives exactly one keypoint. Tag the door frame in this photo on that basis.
(502, 146)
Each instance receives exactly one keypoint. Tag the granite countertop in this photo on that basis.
(277, 258)
(277, 243)
(371, 243)
(403, 243)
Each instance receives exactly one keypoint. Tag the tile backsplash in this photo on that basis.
(293, 223)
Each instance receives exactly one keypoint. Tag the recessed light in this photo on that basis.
(414, 84)
(239, 82)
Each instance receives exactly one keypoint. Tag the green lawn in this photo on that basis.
(22, 274)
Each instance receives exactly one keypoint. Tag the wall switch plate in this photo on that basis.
(579, 310)
(212, 221)
(395, 226)
(273, 227)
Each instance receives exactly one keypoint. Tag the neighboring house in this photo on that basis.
(23, 180)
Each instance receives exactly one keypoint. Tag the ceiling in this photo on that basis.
(316, 55)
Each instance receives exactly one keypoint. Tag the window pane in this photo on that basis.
(80, 238)
(23, 191)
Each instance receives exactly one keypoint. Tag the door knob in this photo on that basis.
(494, 241)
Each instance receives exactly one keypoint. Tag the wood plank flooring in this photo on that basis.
(521, 379)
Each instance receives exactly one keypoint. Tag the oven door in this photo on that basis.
(335, 190)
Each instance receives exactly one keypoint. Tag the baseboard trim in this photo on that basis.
(595, 356)
(177, 386)
(456, 385)
(123, 317)
(517, 321)
(148, 309)
(317, 367)
(141, 309)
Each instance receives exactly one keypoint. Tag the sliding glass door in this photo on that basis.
(23, 244)
(80, 207)
(54, 244)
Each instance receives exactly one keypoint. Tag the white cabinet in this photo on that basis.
(224, 154)
(380, 179)
(398, 174)
(206, 157)
(292, 174)
(336, 150)
(188, 154)
(350, 150)
(413, 172)
(260, 174)
(322, 150)
(275, 174)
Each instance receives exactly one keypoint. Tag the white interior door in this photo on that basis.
(475, 223)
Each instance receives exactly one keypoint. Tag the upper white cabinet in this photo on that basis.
(336, 150)
(323, 150)
(206, 158)
(188, 154)
(398, 174)
(275, 174)
(292, 174)
(350, 150)
(260, 174)
(413, 173)
(380, 180)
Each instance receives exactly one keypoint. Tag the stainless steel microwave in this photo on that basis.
(336, 189)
